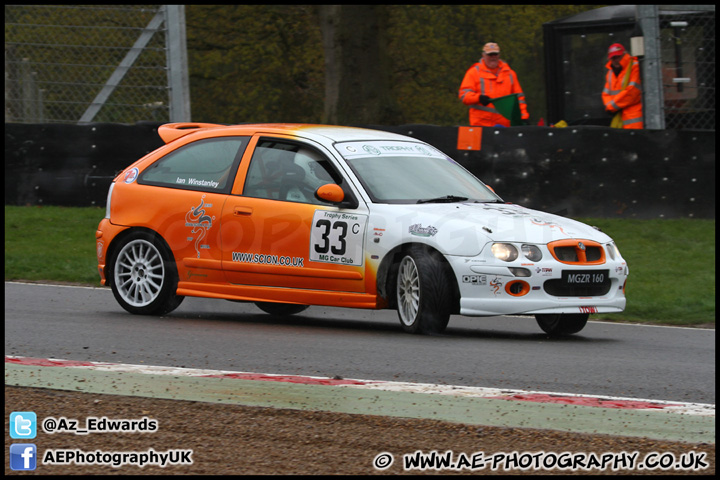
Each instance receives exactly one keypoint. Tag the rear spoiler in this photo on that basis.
(173, 131)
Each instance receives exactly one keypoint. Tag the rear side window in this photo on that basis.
(206, 165)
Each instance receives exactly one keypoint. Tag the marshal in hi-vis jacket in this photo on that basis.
(479, 80)
(624, 96)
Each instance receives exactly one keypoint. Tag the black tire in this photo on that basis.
(281, 309)
(559, 324)
(424, 295)
(144, 275)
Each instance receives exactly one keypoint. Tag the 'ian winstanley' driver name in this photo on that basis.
(197, 183)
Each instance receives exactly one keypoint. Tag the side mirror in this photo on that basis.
(330, 192)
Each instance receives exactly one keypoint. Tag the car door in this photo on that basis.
(278, 234)
(183, 194)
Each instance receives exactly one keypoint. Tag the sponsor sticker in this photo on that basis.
(419, 231)
(387, 148)
(544, 271)
(475, 279)
(131, 175)
(588, 309)
(200, 223)
(495, 285)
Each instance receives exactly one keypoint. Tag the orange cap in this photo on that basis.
(491, 48)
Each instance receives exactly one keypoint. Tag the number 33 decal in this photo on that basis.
(325, 225)
(337, 238)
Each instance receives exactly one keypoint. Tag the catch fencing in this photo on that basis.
(95, 63)
(686, 36)
(128, 63)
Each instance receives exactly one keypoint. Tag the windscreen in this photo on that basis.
(407, 172)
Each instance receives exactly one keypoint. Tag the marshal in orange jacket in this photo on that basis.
(479, 80)
(627, 99)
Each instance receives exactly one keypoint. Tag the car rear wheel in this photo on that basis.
(423, 293)
(144, 276)
(281, 309)
(558, 324)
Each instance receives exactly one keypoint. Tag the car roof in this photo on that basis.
(172, 131)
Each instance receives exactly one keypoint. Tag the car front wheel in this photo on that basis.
(558, 324)
(423, 293)
(144, 276)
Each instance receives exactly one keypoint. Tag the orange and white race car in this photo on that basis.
(288, 216)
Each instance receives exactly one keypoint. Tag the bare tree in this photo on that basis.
(357, 66)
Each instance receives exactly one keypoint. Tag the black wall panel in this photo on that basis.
(70, 165)
(583, 171)
(590, 170)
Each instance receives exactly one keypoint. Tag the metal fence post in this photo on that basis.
(654, 118)
(177, 62)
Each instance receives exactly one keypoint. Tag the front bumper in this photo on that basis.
(487, 288)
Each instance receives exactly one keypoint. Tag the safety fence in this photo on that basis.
(675, 46)
(687, 45)
(126, 63)
(101, 63)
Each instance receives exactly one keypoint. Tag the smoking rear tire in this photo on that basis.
(280, 309)
(423, 293)
(559, 324)
(144, 275)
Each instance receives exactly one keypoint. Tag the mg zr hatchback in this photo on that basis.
(288, 216)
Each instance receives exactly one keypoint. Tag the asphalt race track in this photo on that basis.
(663, 363)
(81, 324)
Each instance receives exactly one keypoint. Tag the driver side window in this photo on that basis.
(288, 172)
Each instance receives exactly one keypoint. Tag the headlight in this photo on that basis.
(532, 253)
(613, 250)
(504, 251)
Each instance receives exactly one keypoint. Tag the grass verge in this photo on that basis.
(672, 262)
(672, 269)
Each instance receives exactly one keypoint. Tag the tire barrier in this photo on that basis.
(581, 171)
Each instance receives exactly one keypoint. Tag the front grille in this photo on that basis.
(577, 252)
(566, 254)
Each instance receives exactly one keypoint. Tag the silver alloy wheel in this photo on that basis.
(139, 273)
(408, 291)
